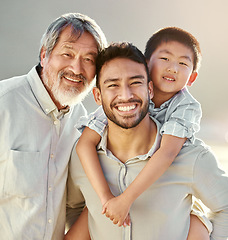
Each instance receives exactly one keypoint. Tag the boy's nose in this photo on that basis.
(173, 68)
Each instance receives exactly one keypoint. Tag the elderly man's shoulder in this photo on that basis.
(9, 85)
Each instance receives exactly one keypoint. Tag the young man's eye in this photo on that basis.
(164, 58)
(112, 85)
(136, 83)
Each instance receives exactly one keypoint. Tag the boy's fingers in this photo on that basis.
(104, 210)
(115, 221)
(128, 220)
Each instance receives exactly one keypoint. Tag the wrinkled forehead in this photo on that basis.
(72, 35)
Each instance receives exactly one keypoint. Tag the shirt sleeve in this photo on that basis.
(96, 121)
(210, 184)
(184, 120)
(75, 199)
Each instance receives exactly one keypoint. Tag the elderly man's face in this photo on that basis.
(70, 68)
(124, 92)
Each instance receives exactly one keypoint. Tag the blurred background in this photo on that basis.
(22, 24)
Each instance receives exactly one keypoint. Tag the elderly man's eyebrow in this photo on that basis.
(70, 47)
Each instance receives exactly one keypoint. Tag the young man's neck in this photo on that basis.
(128, 143)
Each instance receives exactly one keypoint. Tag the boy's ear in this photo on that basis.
(97, 95)
(151, 91)
(192, 79)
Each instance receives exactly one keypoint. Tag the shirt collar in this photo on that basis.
(103, 143)
(42, 95)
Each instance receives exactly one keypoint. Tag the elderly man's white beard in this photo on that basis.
(70, 96)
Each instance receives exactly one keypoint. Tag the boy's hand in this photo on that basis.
(117, 210)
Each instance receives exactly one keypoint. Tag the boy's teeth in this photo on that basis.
(126, 108)
(169, 79)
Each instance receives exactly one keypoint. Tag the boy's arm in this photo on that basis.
(117, 208)
(87, 153)
(197, 230)
(80, 229)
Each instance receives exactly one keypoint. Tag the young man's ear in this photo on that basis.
(97, 95)
(192, 79)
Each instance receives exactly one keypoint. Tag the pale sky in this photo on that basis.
(23, 22)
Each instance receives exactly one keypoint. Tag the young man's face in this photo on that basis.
(171, 67)
(123, 92)
(70, 68)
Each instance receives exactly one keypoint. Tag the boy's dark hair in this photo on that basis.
(174, 34)
(119, 50)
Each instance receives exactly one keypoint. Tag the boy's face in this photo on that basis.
(123, 92)
(170, 67)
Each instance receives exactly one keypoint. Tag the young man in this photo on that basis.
(37, 114)
(130, 139)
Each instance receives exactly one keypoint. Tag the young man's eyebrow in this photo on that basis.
(109, 80)
(168, 52)
(137, 77)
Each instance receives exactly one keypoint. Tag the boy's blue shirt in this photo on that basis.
(179, 116)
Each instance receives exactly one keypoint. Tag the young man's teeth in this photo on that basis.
(126, 108)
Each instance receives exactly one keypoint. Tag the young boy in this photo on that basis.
(173, 56)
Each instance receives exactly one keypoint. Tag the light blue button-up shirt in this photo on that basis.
(35, 144)
(179, 116)
(163, 211)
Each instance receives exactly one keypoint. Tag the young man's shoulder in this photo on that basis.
(197, 151)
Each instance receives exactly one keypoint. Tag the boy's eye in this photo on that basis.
(164, 58)
(183, 63)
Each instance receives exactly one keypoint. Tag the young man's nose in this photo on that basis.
(125, 93)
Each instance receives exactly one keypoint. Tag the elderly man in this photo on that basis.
(131, 138)
(37, 114)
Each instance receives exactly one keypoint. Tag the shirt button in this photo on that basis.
(49, 189)
(49, 221)
(55, 122)
(52, 155)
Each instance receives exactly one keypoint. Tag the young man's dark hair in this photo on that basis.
(119, 50)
